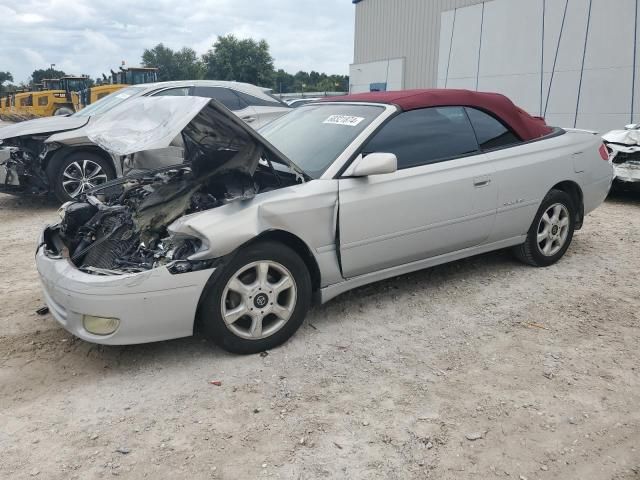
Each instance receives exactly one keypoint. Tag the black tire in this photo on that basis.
(63, 111)
(59, 163)
(210, 318)
(530, 252)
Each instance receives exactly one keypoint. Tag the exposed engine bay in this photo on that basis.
(124, 229)
(121, 226)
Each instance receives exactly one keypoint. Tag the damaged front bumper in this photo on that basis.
(18, 174)
(150, 306)
(9, 172)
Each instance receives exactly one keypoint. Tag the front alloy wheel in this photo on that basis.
(257, 300)
(72, 173)
(82, 175)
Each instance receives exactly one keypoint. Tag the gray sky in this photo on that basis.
(92, 36)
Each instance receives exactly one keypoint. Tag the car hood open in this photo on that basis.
(43, 126)
(148, 124)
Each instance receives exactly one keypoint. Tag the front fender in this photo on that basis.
(307, 211)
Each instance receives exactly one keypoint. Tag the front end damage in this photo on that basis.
(22, 165)
(624, 147)
(25, 152)
(125, 226)
(118, 241)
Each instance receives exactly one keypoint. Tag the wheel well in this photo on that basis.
(300, 247)
(575, 192)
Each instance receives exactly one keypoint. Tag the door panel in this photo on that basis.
(415, 213)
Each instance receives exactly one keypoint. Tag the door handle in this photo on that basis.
(481, 181)
(249, 119)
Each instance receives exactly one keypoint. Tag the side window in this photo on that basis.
(490, 132)
(226, 96)
(258, 102)
(429, 135)
(173, 92)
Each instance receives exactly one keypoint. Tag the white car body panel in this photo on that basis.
(358, 230)
(151, 306)
(625, 143)
(429, 226)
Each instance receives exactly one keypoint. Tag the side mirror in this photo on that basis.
(373, 164)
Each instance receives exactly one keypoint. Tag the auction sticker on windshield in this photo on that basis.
(348, 120)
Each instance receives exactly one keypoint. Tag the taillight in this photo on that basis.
(604, 153)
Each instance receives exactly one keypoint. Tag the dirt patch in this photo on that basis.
(482, 368)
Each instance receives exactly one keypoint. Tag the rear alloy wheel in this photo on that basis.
(259, 299)
(74, 174)
(551, 231)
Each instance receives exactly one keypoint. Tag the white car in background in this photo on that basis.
(624, 147)
(54, 154)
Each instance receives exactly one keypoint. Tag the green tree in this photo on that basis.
(188, 65)
(174, 65)
(163, 58)
(283, 82)
(5, 77)
(242, 60)
(38, 75)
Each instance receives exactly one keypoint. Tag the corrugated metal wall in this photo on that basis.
(387, 29)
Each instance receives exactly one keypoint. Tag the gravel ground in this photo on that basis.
(479, 369)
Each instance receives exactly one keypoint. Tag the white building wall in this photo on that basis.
(394, 29)
(508, 57)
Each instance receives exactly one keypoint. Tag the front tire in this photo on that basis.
(258, 301)
(72, 174)
(551, 232)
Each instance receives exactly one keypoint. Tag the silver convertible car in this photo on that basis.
(241, 231)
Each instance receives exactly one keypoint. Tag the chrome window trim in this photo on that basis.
(153, 93)
(337, 165)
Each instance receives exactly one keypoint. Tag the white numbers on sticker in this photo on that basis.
(348, 120)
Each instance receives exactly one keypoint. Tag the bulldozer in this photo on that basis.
(117, 80)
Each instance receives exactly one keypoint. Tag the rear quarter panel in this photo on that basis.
(527, 172)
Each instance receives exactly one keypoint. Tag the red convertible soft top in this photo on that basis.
(524, 125)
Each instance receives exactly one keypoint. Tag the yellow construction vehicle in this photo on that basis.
(5, 104)
(52, 97)
(118, 80)
(56, 95)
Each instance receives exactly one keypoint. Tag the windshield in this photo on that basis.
(108, 102)
(313, 136)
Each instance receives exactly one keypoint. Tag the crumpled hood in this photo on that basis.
(629, 137)
(156, 123)
(41, 126)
